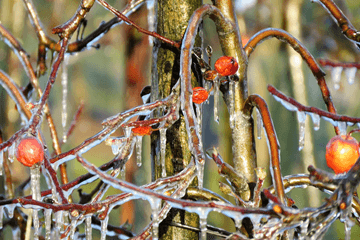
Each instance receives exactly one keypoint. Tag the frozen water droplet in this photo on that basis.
(301, 118)
(138, 146)
(64, 83)
(336, 76)
(104, 224)
(1, 216)
(163, 150)
(231, 104)
(350, 74)
(47, 214)
(11, 153)
(287, 105)
(216, 99)
(259, 123)
(316, 120)
(123, 173)
(342, 127)
(88, 229)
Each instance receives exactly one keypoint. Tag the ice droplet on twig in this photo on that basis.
(36, 195)
(316, 120)
(11, 153)
(163, 150)
(138, 146)
(1, 216)
(104, 224)
(231, 104)
(216, 99)
(259, 123)
(336, 76)
(350, 74)
(64, 83)
(342, 127)
(47, 214)
(301, 118)
(88, 229)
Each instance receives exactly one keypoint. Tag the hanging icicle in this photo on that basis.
(64, 83)
(259, 123)
(104, 224)
(123, 173)
(1, 161)
(1, 216)
(36, 195)
(163, 150)
(47, 215)
(155, 205)
(342, 127)
(301, 118)
(350, 74)
(216, 99)
(11, 153)
(231, 104)
(316, 120)
(138, 146)
(88, 228)
(150, 4)
(336, 76)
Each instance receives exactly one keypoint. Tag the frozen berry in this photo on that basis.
(342, 153)
(142, 130)
(226, 66)
(199, 95)
(29, 151)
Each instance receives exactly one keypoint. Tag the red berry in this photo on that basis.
(29, 151)
(226, 66)
(342, 153)
(199, 95)
(142, 130)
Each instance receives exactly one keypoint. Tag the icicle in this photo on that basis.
(127, 131)
(287, 105)
(58, 223)
(348, 225)
(123, 173)
(231, 104)
(316, 120)
(259, 123)
(336, 76)
(36, 195)
(73, 226)
(1, 162)
(216, 99)
(199, 116)
(350, 74)
(155, 205)
(88, 230)
(151, 18)
(138, 146)
(1, 216)
(342, 127)
(11, 153)
(163, 150)
(301, 118)
(47, 214)
(16, 233)
(200, 174)
(10, 210)
(104, 224)
(64, 83)
(358, 125)
(203, 228)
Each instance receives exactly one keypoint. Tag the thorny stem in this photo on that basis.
(305, 54)
(260, 104)
(243, 143)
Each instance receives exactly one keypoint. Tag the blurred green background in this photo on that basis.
(109, 80)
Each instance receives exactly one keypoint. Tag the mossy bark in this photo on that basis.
(172, 20)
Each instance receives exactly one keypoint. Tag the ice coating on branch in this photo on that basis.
(150, 4)
(216, 99)
(11, 153)
(336, 76)
(47, 215)
(301, 118)
(316, 120)
(333, 122)
(342, 127)
(350, 74)
(88, 229)
(231, 104)
(155, 204)
(138, 146)
(104, 224)
(287, 105)
(259, 123)
(64, 83)
(163, 150)
(1, 216)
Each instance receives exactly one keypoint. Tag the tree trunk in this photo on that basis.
(172, 19)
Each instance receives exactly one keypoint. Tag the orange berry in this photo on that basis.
(199, 95)
(29, 151)
(226, 66)
(142, 130)
(341, 153)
